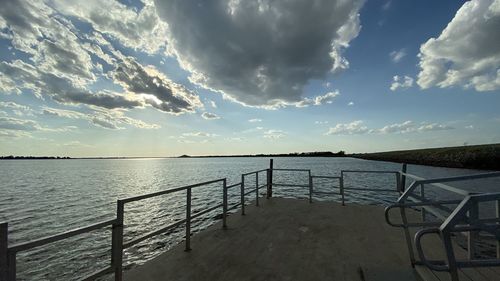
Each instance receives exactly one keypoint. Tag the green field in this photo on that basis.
(484, 157)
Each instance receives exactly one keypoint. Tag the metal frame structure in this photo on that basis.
(464, 218)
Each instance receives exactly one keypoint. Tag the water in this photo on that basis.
(46, 197)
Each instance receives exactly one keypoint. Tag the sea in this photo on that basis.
(40, 198)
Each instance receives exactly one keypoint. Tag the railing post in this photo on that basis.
(188, 220)
(242, 195)
(341, 185)
(117, 242)
(408, 237)
(310, 187)
(450, 256)
(498, 216)
(270, 179)
(4, 246)
(224, 203)
(473, 235)
(398, 182)
(403, 178)
(11, 266)
(257, 189)
(422, 194)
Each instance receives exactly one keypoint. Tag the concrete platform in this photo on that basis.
(289, 239)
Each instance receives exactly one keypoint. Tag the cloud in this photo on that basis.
(350, 103)
(399, 82)
(434, 127)
(63, 61)
(61, 89)
(140, 30)
(255, 120)
(467, 52)
(320, 122)
(9, 123)
(62, 113)
(353, 128)
(198, 134)
(17, 109)
(209, 116)
(358, 127)
(213, 104)
(386, 5)
(274, 134)
(107, 119)
(252, 53)
(405, 127)
(396, 56)
(114, 119)
(318, 100)
(167, 96)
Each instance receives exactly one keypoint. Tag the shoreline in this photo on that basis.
(478, 157)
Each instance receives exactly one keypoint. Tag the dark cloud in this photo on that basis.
(170, 97)
(61, 89)
(260, 53)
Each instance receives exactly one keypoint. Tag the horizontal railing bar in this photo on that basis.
(325, 177)
(250, 192)
(462, 178)
(370, 171)
(152, 233)
(233, 185)
(324, 192)
(99, 273)
(254, 172)
(291, 170)
(370, 189)
(234, 206)
(431, 210)
(262, 186)
(154, 194)
(290, 185)
(206, 211)
(54, 238)
(438, 181)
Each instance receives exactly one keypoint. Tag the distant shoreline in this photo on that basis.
(481, 157)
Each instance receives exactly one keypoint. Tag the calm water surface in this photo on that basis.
(46, 197)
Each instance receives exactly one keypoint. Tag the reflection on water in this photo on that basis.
(45, 197)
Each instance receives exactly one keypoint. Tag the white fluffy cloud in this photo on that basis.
(401, 82)
(318, 100)
(467, 52)
(274, 134)
(253, 51)
(355, 127)
(358, 127)
(141, 30)
(398, 55)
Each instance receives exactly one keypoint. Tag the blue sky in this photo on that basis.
(166, 78)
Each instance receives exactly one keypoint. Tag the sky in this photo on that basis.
(166, 78)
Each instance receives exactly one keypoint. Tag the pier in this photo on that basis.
(272, 238)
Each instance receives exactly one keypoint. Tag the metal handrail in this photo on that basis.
(8, 253)
(466, 211)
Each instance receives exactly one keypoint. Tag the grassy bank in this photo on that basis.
(484, 157)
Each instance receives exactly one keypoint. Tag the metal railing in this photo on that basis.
(398, 187)
(461, 218)
(466, 212)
